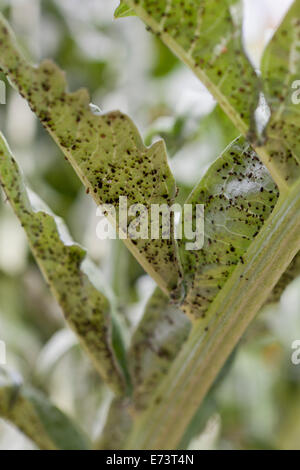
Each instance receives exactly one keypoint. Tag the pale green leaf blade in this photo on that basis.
(86, 310)
(239, 195)
(37, 417)
(155, 344)
(106, 151)
(280, 72)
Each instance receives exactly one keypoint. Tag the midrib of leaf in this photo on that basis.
(239, 99)
(105, 150)
(162, 425)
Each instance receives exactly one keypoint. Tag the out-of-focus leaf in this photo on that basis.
(106, 151)
(164, 61)
(281, 72)
(86, 310)
(217, 123)
(36, 417)
(117, 427)
(155, 344)
(174, 135)
(239, 195)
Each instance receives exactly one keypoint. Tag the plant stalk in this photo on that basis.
(175, 402)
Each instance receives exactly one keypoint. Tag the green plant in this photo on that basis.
(205, 299)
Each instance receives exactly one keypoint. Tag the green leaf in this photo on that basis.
(156, 342)
(207, 36)
(35, 416)
(105, 150)
(164, 62)
(63, 265)
(239, 195)
(123, 10)
(280, 72)
(211, 46)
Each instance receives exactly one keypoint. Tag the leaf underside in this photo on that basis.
(238, 194)
(86, 310)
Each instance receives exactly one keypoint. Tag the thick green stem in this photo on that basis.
(197, 365)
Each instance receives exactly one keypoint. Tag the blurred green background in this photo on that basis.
(256, 404)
